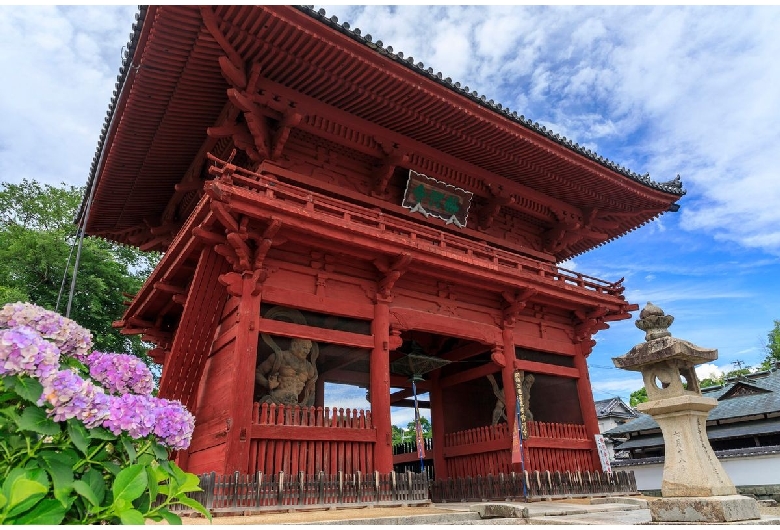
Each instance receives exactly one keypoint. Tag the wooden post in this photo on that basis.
(379, 390)
(319, 392)
(587, 405)
(437, 426)
(507, 375)
(243, 376)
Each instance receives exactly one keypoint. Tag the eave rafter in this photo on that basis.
(257, 134)
(277, 102)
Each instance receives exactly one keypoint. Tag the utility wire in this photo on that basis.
(65, 274)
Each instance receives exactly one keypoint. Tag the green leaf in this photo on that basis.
(35, 419)
(130, 483)
(144, 503)
(191, 483)
(94, 480)
(25, 494)
(48, 512)
(78, 435)
(132, 517)
(160, 452)
(100, 433)
(171, 517)
(27, 387)
(130, 448)
(111, 467)
(83, 489)
(61, 476)
(3, 500)
(195, 505)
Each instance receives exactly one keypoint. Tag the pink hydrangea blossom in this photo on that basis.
(67, 335)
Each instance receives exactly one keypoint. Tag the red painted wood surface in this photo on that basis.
(379, 388)
(486, 450)
(295, 439)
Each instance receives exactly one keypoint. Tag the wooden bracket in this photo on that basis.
(499, 198)
(384, 172)
(514, 304)
(571, 228)
(391, 273)
(288, 122)
(211, 22)
(590, 323)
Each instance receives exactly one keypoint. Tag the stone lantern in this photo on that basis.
(695, 487)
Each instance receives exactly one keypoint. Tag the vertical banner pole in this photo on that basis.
(518, 451)
(418, 430)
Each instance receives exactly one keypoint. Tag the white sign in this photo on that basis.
(603, 454)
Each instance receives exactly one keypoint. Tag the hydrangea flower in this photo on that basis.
(131, 413)
(69, 337)
(120, 373)
(73, 397)
(174, 424)
(23, 351)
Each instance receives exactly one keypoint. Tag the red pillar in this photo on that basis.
(437, 426)
(587, 405)
(379, 390)
(507, 376)
(243, 376)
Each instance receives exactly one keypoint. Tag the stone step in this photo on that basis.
(435, 518)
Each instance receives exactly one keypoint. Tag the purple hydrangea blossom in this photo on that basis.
(73, 397)
(174, 424)
(140, 416)
(23, 351)
(131, 413)
(120, 373)
(69, 337)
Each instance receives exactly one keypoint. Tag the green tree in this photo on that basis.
(637, 397)
(772, 347)
(36, 236)
(424, 423)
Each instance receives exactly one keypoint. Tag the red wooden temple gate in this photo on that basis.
(325, 205)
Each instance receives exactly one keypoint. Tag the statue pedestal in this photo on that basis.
(723, 509)
(691, 468)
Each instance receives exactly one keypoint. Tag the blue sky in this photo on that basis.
(660, 89)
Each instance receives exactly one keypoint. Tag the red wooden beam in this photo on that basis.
(294, 432)
(405, 458)
(464, 352)
(470, 375)
(547, 369)
(333, 336)
(559, 443)
(478, 447)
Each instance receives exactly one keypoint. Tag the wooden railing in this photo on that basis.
(568, 431)
(257, 492)
(549, 446)
(293, 439)
(265, 181)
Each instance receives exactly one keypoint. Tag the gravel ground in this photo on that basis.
(313, 516)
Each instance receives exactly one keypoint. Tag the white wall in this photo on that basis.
(743, 471)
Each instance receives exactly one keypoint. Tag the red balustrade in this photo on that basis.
(294, 439)
(487, 450)
(266, 182)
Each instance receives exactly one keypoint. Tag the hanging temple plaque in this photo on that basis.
(432, 197)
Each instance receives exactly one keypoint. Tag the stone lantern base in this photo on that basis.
(720, 509)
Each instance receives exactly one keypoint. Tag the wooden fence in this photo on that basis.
(294, 439)
(258, 492)
(486, 450)
(533, 486)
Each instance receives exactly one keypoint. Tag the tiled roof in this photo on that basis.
(714, 432)
(673, 186)
(605, 407)
(736, 407)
